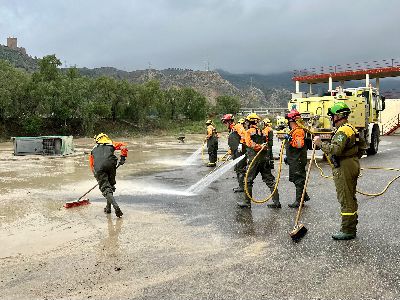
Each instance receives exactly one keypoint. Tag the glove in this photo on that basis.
(121, 160)
(240, 148)
(287, 137)
(285, 160)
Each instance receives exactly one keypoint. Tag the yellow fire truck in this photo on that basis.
(365, 104)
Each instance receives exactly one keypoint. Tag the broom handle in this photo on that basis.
(88, 192)
(93, 187)
(305, 186)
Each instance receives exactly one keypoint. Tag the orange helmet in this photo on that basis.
(293, 115)
(227, 118)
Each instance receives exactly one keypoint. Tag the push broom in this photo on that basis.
(299, 230)
(82, 201)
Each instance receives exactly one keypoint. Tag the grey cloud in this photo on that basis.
(239, 36)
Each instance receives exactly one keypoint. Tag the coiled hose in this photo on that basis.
(364, 168)
(246, 188)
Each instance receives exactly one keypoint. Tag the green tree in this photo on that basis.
(192, 104)
(48, 67)
(227, 105)
(13, 86)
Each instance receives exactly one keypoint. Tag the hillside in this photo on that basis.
(209, 83)
(18, 59)
(254, 90)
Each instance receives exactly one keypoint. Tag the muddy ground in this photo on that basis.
(172, 245)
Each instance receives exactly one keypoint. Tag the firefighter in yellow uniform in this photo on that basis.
(344, 151)
(212, 144)
(256, 141)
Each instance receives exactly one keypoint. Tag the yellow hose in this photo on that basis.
(246, 189)
(364, 168)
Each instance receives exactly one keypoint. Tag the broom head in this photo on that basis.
(79, 202)
(298, 232)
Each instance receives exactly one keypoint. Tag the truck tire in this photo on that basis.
(373, 146)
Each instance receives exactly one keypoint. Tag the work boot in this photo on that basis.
(238, 190)
(306, 198)
(275, 199)
(274, 205)
(107, 209)
(241, 177)
(118, 212)
(244, 204)
(343, 236)
(295, 204)
(111, 201)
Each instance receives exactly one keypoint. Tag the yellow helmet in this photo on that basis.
(267, 122)
(209, 122)
(253, 117)
(241, 121)
(102, 138)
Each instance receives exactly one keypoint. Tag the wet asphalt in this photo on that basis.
(266, 263)
(169, 245)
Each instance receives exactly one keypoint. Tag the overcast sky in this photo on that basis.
(258, 36)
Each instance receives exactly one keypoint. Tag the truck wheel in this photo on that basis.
(373, 146)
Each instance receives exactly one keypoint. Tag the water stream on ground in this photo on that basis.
(199, 186)
(192, 158)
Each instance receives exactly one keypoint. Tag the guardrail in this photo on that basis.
(391, 126)
(263, 110)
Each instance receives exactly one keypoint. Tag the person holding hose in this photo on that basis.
(103, 164)
(344, 151)
(212, 143)
(296, 156)
(236, 139)
(256, 141)
(269, 133)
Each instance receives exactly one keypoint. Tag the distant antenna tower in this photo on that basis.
(207, 65)
(149, 72)
(251, 89)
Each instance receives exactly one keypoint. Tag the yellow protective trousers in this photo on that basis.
(345, 178)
